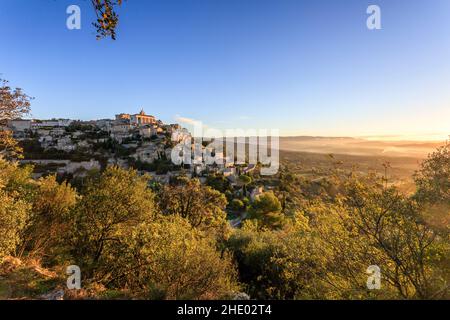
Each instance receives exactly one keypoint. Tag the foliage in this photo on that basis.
(15, 192)
(9, 147)
(14, 103)
(202, 206)
(111, 206)
(378, 226)
(433, 178)
(218, 182)
(236, 205)
(13, 215)
(167, 259)
(107, 18)
(245, 180)
(279, 264)
(307, 239)
(50, 221)
(266, 209)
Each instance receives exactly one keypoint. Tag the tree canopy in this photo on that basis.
(14, 103)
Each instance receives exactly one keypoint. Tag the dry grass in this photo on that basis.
(25, 279)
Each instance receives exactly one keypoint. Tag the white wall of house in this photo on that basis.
(20, 125)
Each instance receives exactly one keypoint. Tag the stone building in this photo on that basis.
(142, 119)
(19, 125)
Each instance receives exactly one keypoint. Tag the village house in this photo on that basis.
(249, 168)
(57, 132)
(147, 131)
(229, 172)
(76, 134)
(104, 124)
(83, 144)
(142, 119)
(256, 192)
(149, 152)
(43, 132)
(179, 135)
(19, 125)
(46, 141)
(123, 116)
(200, 169)
(80, 168)
(65, 144)
(120, 130)
(50, 123)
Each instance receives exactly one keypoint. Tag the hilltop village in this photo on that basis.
(72, 149)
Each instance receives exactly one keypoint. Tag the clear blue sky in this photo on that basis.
(305, 67)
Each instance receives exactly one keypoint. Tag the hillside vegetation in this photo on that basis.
(305, 239)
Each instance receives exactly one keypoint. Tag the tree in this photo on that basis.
(433, 178)
(15, 192)
(245, 180)
(112, 205)
(168, 259)
(14, 103)
(201, 205)
(237, 205)
(379, 226)
(13, 216)
(107, 18)
(51, 220)
(280, 264)
(266, 209)
(16, 180)
(218, 182)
